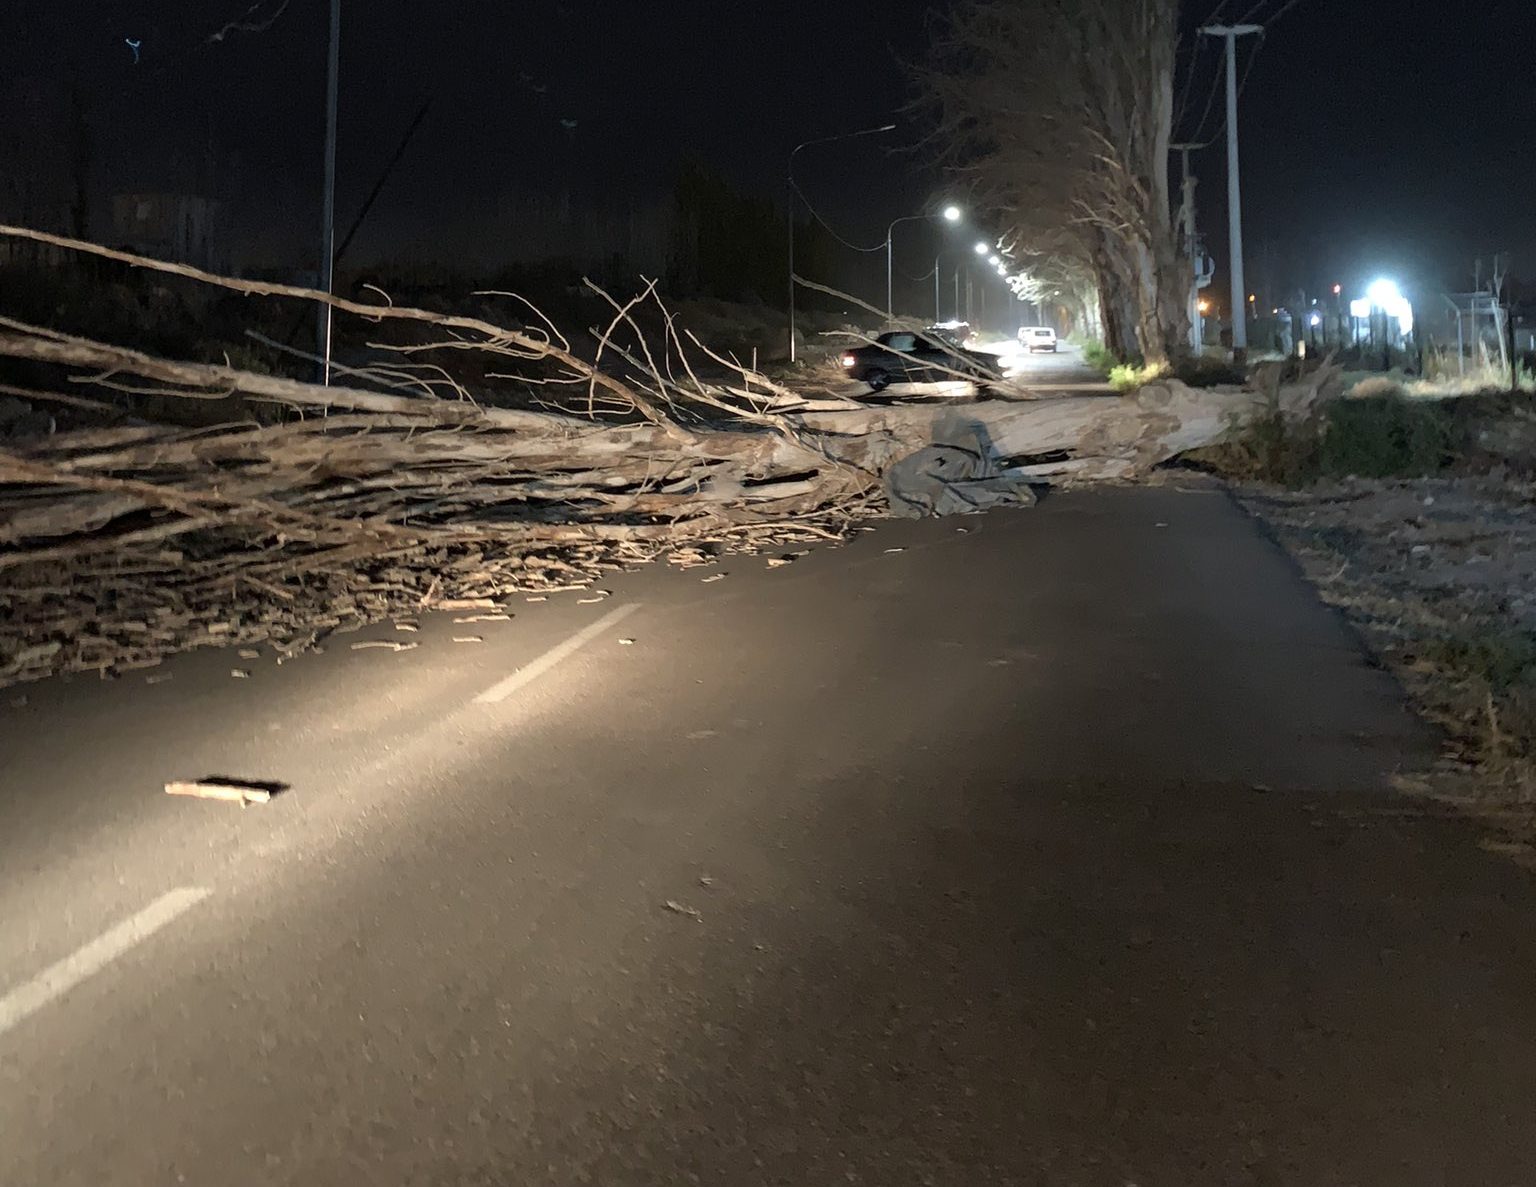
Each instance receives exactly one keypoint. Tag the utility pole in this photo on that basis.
(1234, 190)
(328, 214)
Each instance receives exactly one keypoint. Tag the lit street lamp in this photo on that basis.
(951, 214)
(982, 249)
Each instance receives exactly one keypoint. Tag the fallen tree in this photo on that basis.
(397, 489)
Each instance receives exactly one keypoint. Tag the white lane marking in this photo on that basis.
(57, 980)
(531, 671)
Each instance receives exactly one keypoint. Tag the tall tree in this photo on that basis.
(1061, 113)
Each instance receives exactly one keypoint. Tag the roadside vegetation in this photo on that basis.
(1416, 516)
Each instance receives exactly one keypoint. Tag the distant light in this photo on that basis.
(1315, 319)
(982, 249)
(1205, 306)
(1337, 289)
(1383, 293)
(1252, 297)
(952, 214)
(1360, 307)
(994, 260)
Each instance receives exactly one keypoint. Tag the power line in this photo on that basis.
(826, 226)
(1189, 77)
(1210, 101)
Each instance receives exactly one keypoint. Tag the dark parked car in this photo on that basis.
(906, 356)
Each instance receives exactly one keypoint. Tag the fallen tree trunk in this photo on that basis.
(121, 544)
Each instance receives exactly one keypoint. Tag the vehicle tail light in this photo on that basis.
(849, 360)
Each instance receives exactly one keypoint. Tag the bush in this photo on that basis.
(1097, 356)
(1376, 437)
(1388, 436)
(1127, 377)
(1203, 371)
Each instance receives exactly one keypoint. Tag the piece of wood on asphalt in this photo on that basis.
(383, 645)
(683, 909)
(626, 642)
(713, 577)
(229, 792)
(469, 638)
(240, 673)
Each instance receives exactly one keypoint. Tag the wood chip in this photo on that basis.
(714, 577)
(895, 550)
(240, 673)
(383, 645)
(682, 909)
(248, 653)
(234, 793)
(482, 618)
(408, 627)
(538, 598)
(467, 604)
(469, 639)
(626, 642)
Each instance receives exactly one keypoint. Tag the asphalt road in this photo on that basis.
(1053, 850)
(1061, 373)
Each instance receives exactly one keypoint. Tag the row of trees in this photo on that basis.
(1060, 114)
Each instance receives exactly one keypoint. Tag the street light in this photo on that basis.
(994, 260)
(789, 174)
(982, 249)
(328, 198)
(950, 213)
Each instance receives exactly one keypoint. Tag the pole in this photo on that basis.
(890, 306)
(957, 292)
(937, 316)
(328, 214)
(790, 188)
(1234, 191)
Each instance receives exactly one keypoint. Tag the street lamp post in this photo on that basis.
(328, 200)
(951, 214)
(789, 174)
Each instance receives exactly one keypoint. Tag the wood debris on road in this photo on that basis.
(318, 509)
(234, 793)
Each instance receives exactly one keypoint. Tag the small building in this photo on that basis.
(168, 226)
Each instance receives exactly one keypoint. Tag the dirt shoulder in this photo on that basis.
(1439, 575)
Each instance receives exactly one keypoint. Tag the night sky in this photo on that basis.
(1376, 137)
